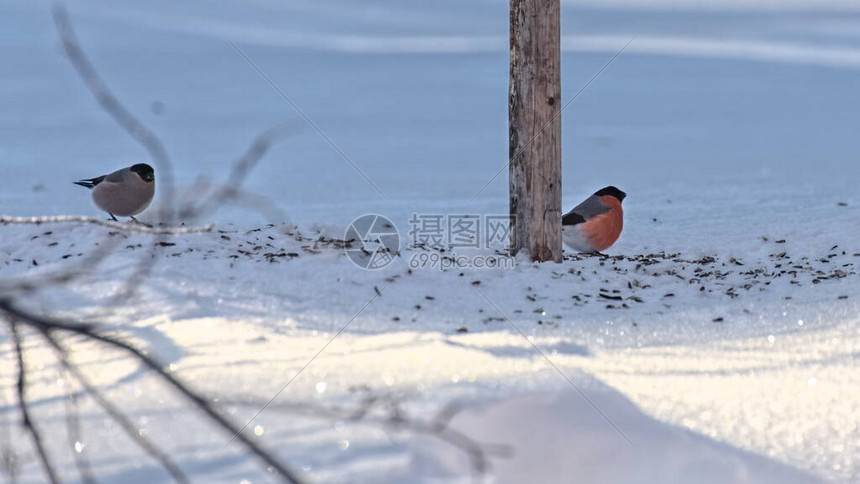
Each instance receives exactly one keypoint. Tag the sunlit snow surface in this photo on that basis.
(730, 354)
(753, 359)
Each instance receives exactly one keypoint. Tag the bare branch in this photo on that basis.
(230, 191)
(163, 459)
(126, 227)
(390, 406)
(246, 163)
(127, 121)
(88, 264)
(111, 104)
(9, 458)
(47, 324)
(47, 465)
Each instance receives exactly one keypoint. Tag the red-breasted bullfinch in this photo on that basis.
(595, 224)
(125, 192)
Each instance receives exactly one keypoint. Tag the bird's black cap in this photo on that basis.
(145, 171)
(611, 191)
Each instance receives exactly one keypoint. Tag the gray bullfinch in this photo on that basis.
(595, 224)
(125, 192)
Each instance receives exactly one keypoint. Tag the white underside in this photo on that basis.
(572, 236)
(122, 199)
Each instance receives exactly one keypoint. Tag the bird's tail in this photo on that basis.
(90, 182)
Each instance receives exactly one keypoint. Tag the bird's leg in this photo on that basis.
(139, 222)
(112, 217)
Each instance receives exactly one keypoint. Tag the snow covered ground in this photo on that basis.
(718, 338)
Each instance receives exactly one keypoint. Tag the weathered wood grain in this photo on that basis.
(535, 129)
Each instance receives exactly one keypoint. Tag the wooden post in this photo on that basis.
(535, 128)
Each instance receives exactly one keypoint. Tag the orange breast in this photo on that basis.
(603, 230)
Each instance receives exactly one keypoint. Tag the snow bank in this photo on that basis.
(561, 438)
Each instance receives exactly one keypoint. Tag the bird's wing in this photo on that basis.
(90, 182)
(591, 207)
(118, 176)
(572, 218)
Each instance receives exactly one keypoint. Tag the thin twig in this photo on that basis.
(231, 189)
(125, 227)
(230, 192)
(47, 465)
(162, 458)
(111, 104)
(8, 457)
(73, 427)
(394, 418)
(43, 323)
(128, 122)
(89, 263)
